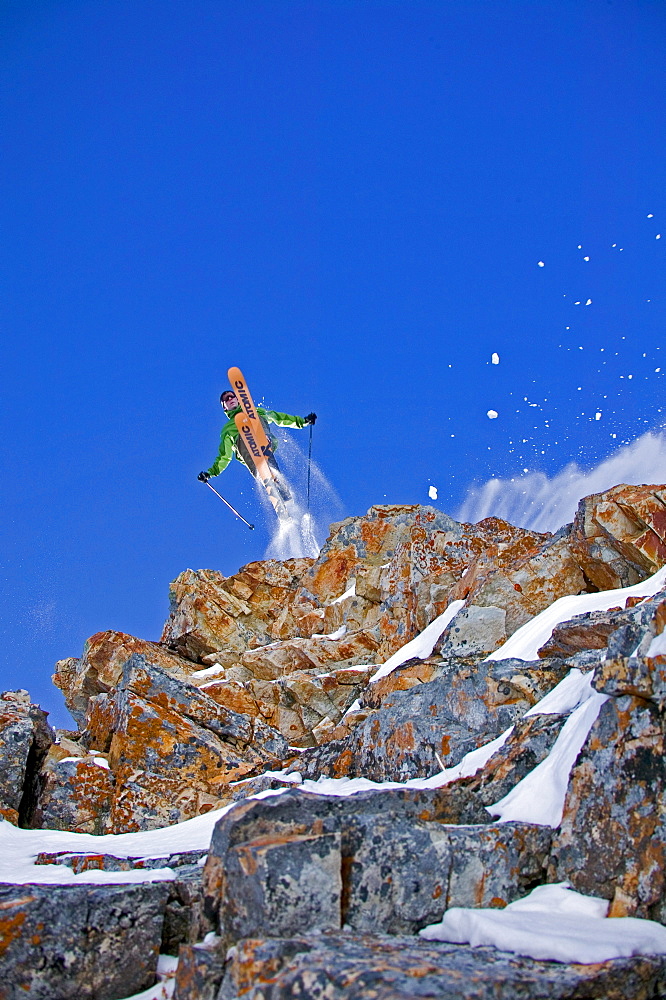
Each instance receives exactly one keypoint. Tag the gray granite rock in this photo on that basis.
(402, 874)
(200, 971)
(374, 967)
(612, 840)
(387, 861)
(182, 909)
(414, 732)
(80, 942)
(25, 738)
(475, 631)
(280, 885)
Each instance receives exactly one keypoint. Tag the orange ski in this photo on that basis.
(248, 430)
(239, 385)
(251, 430)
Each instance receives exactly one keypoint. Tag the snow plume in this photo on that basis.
(305, 531)
(542, 504)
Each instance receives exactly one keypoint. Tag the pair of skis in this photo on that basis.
(251, 431)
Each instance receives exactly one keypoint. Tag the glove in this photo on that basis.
(203, 477)
(311, 418)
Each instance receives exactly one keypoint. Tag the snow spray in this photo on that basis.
(541, 504)
(306, 530)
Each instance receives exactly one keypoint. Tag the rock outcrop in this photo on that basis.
(619, 537)
(262, 680)
(82, 941)
(25, 738)
(346, 967)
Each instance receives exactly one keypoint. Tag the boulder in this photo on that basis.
(476, 631)
(184, 896)
(392, 860)
(211, 613)
(612, 839)
(619, 536)
(356, 967)
(591, 630)
(80, 942)
(175, 751)
(100, 668)
(75, 794)
(518, 571)
(25, 738)
(629, 666)
(417, 731)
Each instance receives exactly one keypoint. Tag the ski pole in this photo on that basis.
(309, 462)
(251, 526)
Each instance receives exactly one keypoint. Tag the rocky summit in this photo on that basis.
(352, 806)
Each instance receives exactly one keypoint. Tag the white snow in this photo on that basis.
(213, 671)
(571, 692)
(495, 358)
(338, 634)
(553, 923)
(19, 849)
(524, 643)
(539, 797)
(422, 645)
(432, 492)
(492, 414)
(348, 593)
(657, 646)
(470, 764)
(545, 503)
(540, 263)
(162, 990)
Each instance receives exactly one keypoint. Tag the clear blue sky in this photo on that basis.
(349, 200)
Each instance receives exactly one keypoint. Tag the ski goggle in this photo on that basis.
(226, 396)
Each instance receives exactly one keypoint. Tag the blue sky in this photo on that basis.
(349, 200)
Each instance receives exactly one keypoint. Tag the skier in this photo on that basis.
(232, 444)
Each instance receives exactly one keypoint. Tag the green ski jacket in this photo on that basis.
(229, 435)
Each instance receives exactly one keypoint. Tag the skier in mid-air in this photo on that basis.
(231, 443)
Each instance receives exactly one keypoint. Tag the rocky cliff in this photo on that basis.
(269, 680)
